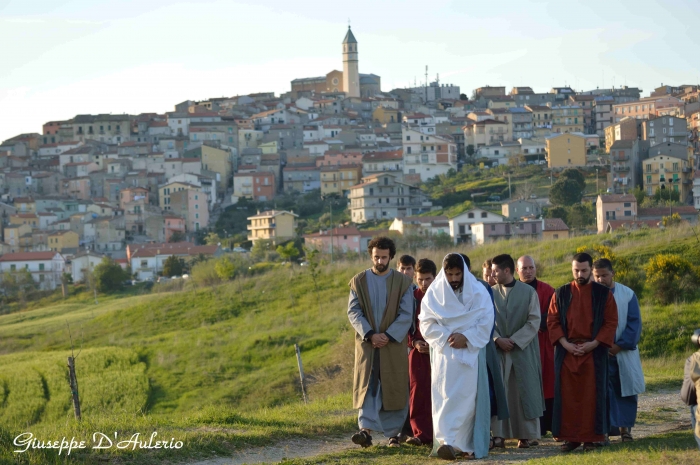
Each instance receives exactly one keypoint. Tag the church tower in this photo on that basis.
(351, 70)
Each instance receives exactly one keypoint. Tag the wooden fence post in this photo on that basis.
(74, 387)
(301, 372)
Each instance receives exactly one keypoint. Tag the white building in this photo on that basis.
(84, 262)
(426, 154)
(461, 225)
(45, 267)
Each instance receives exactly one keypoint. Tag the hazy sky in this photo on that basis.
(60, 58)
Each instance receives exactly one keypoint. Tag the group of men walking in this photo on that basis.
(463, 364)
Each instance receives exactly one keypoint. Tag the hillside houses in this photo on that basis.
(116, 180)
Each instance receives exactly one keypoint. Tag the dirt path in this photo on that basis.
(659, 412)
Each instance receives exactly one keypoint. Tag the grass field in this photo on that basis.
(216, 366)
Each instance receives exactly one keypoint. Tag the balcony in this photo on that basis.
(621, 167)
(621, 158)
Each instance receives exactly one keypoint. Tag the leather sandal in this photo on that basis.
(446, 452)
(499, 442)
(523, 444)
(362, 438)
(568, 446)
(394, 442)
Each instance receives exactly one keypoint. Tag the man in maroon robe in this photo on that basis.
(527, 270)
(419, 404)
(582, 322)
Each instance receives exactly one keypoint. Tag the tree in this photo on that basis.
(463, 97)
(173, 266)
(516, 160)
(288, 252)
(18, 284)
(177, 236)
(576, 175)
(225, 268)
(212, 239)
(524, 190)
(557, 212)
(565, 192)
(470, 150)
(639, 194)
(667, 195)
(260, 248)
(109, 276)
(579, 216)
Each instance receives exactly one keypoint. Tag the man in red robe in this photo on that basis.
(419, 404)
(582, 321)
(527, 270)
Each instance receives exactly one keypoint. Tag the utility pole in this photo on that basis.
(331, 205)
(596, 181)
(510, 193)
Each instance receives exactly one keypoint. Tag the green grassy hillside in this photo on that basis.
(203, 361)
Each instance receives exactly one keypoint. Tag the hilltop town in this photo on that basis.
(140, 188)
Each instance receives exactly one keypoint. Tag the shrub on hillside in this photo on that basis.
(671, 277)
(263, 267)
(110, 276)
(204, 273)
(173, 266)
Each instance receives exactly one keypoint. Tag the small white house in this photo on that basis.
(84, 262)
(461, 225)
(45, 267)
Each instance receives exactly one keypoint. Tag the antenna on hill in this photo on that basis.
(426, 84)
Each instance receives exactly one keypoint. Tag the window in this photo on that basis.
(144, 263)
(408, 137)
(628, 212)
(649, 168)
(470, 215)
(493, 227)
(408, 149)
(13, 267)
(628, 204)
(484, 214)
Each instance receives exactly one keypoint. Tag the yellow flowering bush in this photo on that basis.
(671, 277)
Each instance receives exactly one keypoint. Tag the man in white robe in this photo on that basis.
(456, 321)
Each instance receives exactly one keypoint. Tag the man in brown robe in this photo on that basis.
(582, 321)
(527, 270)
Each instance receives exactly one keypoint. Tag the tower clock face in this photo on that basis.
(335, 81)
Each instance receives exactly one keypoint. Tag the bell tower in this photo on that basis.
(351, 71)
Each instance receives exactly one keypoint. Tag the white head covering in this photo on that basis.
(441, 304)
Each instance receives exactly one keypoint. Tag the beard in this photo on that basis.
(583, 281)
(455, 285)
(381, 268)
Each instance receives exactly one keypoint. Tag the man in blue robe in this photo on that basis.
(625, 379)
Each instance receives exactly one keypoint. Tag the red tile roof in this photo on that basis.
(27, 256)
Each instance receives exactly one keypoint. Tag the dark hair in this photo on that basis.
(453, 260)
(382, 243)
(407, 260)
(584, 257)
(467, 261)
(603, 263)
(425, 265)
(504, 261)
(486, 264)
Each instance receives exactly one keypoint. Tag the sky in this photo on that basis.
(61, 58)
